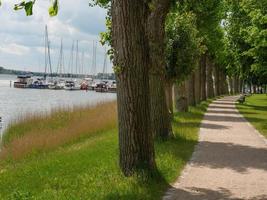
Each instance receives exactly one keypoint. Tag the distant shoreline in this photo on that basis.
(4, 71)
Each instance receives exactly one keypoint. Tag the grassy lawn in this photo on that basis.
(87, 168)
(255, 111)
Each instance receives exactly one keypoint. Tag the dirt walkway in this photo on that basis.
(230, 161)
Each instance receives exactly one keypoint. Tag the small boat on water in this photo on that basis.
(92, 86)
(57, 84)
(86, 83)
(23, 81)
(112, 87)
(101, 87)
(39, 83)
(72, 85)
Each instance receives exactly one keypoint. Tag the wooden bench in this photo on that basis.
(241, 99)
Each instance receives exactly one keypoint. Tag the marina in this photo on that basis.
(15, 103)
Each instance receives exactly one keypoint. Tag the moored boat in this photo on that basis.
(72, 85)
(86, 83)
(23, 81)
(57, 84)
(39, 83)
(112, 87)
(101, 87)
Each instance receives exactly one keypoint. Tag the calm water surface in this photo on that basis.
(15, 102)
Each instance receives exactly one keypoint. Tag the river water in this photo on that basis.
(15, 102)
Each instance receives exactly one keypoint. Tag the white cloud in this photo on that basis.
(14, 49)
(21, 35)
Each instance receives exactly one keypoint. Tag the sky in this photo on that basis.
(22, 38)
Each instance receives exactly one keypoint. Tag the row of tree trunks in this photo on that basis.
(136, 146)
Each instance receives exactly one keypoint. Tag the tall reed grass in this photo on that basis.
(41, 132)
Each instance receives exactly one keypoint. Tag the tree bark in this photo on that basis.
(181, 101)
(197, 85)
(210, 88)
(160, 116)
(131, 61)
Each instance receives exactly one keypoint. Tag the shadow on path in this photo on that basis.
(231, 156)
(226, 118)
(195, 193)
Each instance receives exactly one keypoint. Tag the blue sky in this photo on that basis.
(22, 37)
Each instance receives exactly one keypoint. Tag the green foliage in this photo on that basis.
(182, 45)
(246, 24)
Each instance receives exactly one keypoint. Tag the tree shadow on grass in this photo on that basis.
(194, 193)
(175, 151)
(260, 108)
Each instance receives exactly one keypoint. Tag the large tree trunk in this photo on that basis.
(131, 61)
(191, 90)
(197, 85)
(160, 116)
(203, 80)
(210, 88)
(181, 101)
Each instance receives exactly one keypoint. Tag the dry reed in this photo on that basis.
(36, 133)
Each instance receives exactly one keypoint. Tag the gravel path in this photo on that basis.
(230, 161)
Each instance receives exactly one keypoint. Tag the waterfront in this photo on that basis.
(16, 103)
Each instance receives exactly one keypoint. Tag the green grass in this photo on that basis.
(88, 169)
(255, 111)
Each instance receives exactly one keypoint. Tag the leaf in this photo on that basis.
(27, 6)
(53, 10)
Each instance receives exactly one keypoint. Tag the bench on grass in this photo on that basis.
(241, 99)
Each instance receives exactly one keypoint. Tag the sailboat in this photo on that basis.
(73, 83)
(42, 83)
(103, 85)
(59, 82)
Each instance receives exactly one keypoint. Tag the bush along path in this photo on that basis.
(230, 161)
